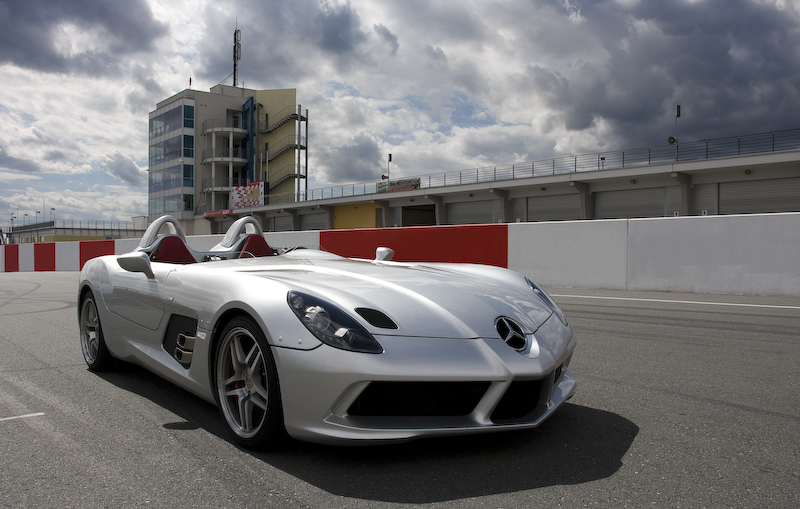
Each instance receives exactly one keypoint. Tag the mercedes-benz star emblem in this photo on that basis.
(511, 332)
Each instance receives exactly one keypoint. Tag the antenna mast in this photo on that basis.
(237, 54)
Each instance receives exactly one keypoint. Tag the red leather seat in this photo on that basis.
(171, 249)
(255, 247)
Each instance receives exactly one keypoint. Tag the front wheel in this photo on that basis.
(95, 352)
(247, 385)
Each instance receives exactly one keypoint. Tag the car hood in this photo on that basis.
(424, 300)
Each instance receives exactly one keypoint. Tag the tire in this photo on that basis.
(93, 344)
(246, 386)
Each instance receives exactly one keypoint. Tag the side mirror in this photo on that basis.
(383, 254)
(136, 262)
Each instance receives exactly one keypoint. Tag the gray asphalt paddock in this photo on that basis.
(679, 405)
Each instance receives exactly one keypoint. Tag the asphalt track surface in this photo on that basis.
(679, 404)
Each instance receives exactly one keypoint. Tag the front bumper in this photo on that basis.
(327, 395)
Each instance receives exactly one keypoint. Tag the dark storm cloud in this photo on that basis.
(54, 155)
(13, 163)
(360, 161)
(29, 33)
(272, 39)
(733, 60)
(281, 42)
(600, 72)
(148, 91)
(337, 30)
(388, 37)
(442, 21)
(723, 60)
(436, 56)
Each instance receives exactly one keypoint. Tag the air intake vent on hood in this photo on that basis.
(376, 318)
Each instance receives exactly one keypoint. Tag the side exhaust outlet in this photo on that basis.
(185, 349)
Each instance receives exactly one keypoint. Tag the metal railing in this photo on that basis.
(293, 141)
(285, 115)
(286, 198)
(285, 173)
(695, 150)
(209, 183)
(224, 153)
(223, 123)
(70, 224)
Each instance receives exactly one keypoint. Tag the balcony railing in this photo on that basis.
(224, 153)
(221, 124)
(223, 182)
(695, 150)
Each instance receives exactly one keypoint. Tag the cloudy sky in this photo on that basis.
(440, 84)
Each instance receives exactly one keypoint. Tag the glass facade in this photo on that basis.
(171, 203)
(188, 116)
(188, 175)
(172, 120)
(167, 174)
(171, 148)
(171, 178)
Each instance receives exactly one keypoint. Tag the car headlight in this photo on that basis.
(549, 302)
(332, 325)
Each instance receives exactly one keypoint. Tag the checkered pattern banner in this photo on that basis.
(251, 195)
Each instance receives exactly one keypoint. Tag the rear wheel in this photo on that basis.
(247, 385)
(93, 345)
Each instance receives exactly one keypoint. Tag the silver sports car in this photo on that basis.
(325, 348)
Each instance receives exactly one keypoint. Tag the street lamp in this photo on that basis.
(24, 221)
(53, 215)
(37, 216)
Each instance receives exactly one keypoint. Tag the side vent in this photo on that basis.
(180, 337)
(376, 318)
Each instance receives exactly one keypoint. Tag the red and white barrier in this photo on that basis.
(745, 254)
(51, 256)
(487, 244)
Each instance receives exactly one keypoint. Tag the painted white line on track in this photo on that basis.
(632, 299)
(26, 416)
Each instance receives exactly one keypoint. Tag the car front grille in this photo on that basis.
(520, 399)
(418, 399)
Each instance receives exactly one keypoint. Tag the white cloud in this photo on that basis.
(8, 176)
(123, 167)
(442, 85)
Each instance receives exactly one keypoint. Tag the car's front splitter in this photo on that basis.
(325, 399)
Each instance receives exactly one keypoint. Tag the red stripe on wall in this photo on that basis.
(44, 256)
(12, 258)
(486, 243)
(93, 248)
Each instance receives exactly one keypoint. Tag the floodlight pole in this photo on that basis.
(677, 143)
